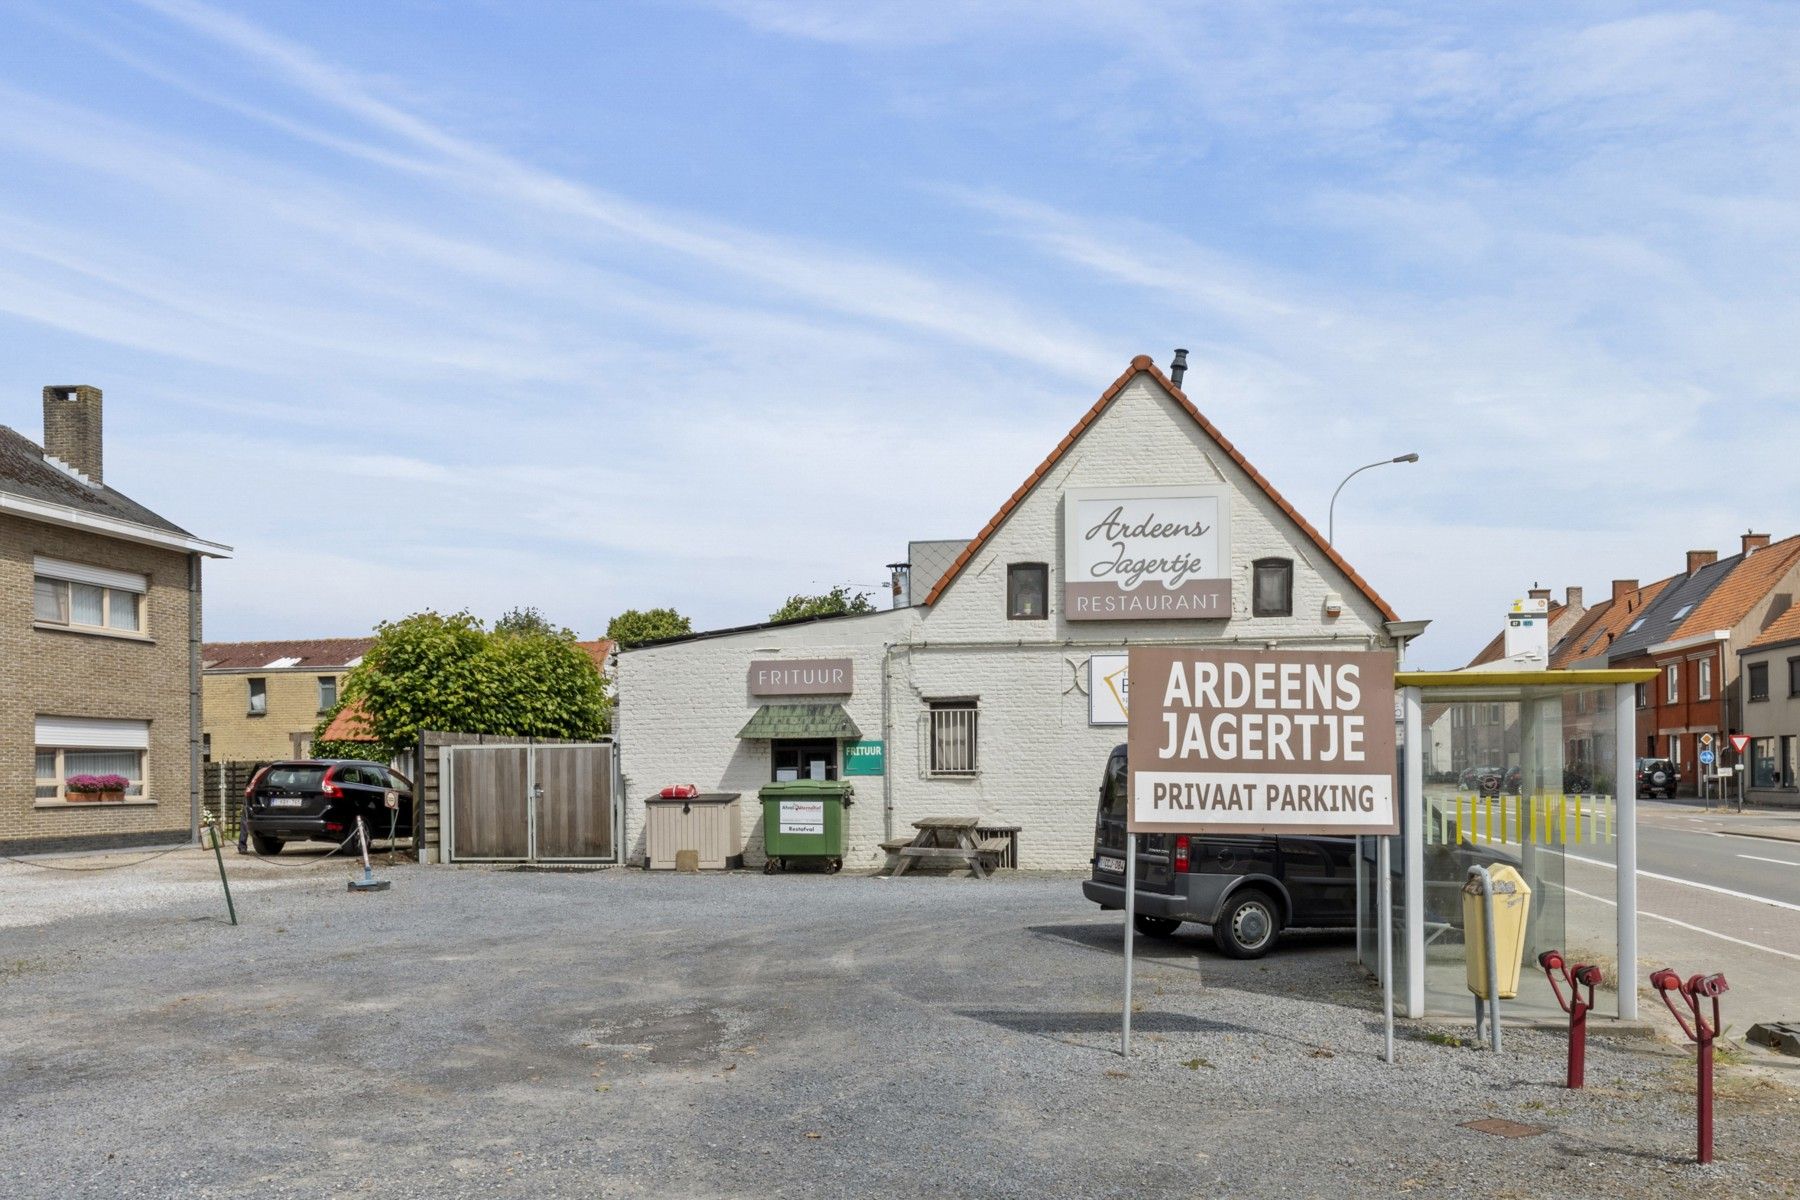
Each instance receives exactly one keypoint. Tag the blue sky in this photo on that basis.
(598, 305)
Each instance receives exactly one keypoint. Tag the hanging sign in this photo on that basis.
(1247, 741)
(1109, 689)
(1146, 553)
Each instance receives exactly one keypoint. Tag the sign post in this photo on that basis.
(1229, 741)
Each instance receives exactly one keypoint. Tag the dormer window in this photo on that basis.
(1027, 591)
(1272, 587)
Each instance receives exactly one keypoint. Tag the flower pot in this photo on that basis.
(109, 797)
(83, 797)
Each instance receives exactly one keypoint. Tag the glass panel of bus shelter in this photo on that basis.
(1525, 782)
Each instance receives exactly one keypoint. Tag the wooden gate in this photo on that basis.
(529, 803)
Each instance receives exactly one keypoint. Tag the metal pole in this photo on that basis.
(1625, 787)
(1492, 953)
(219, 858)
(1385, 939)
(1130, 935)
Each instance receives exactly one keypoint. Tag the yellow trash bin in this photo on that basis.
(1512, 905)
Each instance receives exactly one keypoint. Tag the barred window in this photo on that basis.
(954, 738)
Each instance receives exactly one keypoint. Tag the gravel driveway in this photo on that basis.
(508, 1033)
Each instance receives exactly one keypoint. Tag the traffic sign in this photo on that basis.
(1706, 758)
(1706, 739)
(1739, 741)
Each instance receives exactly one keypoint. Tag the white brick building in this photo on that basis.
(994, 637)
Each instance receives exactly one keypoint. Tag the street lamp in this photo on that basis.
(1331, 516)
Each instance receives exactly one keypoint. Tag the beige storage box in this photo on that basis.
(708, 824)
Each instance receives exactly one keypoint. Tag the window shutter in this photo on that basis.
(93, 733)
(124, 581)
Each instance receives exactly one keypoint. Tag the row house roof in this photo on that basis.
(1741, 590)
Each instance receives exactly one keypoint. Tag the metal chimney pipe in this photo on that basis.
(1178, 367)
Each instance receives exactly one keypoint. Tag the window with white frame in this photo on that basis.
(954, 739)
(1673, 691)
(71, 747)
(327, 692)
(259, 697)
(85, 598)
(1704, 682)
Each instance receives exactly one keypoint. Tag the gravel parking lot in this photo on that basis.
(511, 1033)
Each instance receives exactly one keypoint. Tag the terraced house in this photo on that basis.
(99, 647)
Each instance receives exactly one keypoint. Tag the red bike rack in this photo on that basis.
(1693, 990)
(1578, 976)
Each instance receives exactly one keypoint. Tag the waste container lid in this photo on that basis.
(795, 788)
(702, 798)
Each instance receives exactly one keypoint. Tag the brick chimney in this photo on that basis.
(1572, 597)
(72, 428)
(1754, 542)
(1623, 588)
(1701, 558)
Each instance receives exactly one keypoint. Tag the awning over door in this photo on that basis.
(800, 721)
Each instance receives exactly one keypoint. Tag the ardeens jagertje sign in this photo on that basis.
(1143, 553)
(801, 677)
(1261, 741)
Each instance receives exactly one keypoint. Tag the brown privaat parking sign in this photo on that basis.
(1261, 741)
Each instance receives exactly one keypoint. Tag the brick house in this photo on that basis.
(1769, 706)
(996, 689)
(99, 645)
(262, 700)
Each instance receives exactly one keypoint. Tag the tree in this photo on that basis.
(529, 620)
(430, 671)
(634, 627)
(323, 747)
(833, 603)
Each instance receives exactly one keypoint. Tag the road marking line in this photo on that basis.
(1724, 937)
(1706, 887)
(1759, 858)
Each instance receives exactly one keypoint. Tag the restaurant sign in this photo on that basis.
(865, 758)
(1261, 741)
(801, 677)
(1144, 553)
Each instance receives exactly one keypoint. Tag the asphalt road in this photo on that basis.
(1686, 842)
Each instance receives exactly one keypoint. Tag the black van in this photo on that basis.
(1247, 888)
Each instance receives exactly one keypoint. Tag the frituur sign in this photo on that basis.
(801, 677)
(1247, 741)
(1144, 553)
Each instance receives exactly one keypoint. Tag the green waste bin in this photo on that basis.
(803, 820)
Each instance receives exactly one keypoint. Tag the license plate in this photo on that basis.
(285, 802)
(1115, 865)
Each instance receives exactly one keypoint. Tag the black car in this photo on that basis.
(318, 800)
(1656, 777)
(1249, 888)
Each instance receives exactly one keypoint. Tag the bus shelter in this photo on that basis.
(1532, 769)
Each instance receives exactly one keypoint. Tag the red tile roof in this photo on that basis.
(1143, 365)
(1785, 628)
(1604, 622)
(313, 653)
(1741, 590)
(350, 725)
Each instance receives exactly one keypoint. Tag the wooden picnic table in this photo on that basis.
(945, 839)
